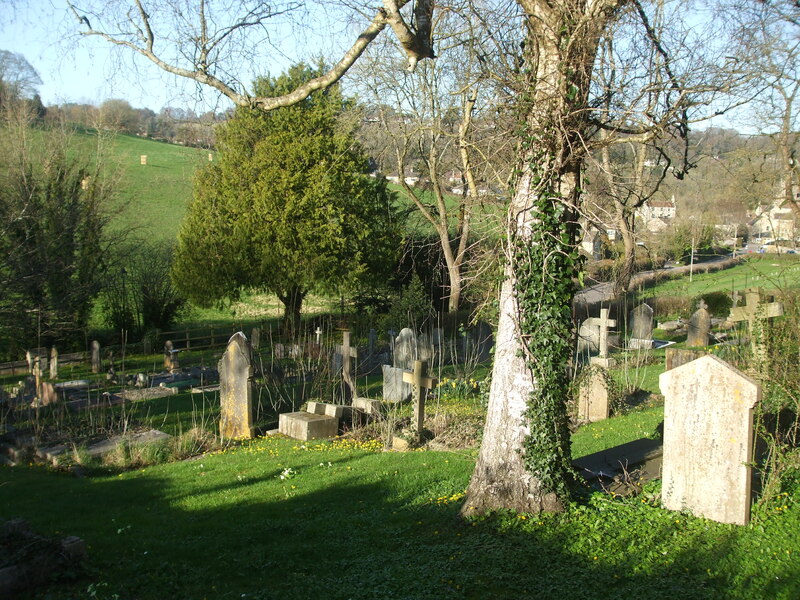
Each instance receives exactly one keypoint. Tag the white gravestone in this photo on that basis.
(708, 439)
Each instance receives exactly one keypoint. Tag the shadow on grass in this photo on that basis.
(213, 532)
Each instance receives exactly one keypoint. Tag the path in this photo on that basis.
(602, 292)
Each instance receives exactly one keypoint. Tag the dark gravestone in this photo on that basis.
(641, 327)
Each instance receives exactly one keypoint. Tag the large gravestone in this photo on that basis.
(235, 393)
(708, 439)
(699, 327)
(405, 349)
(641, 328)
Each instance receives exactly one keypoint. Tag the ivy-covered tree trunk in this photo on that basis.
(524, 462)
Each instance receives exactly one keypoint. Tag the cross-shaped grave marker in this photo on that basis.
(347, 352)
(318, 331)
(422, 383)
(754, 312)
(604, 324)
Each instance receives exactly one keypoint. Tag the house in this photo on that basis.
(657, 209)
(776, 221)
(410, 176)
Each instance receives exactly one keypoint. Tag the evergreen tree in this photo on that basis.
(288, 207)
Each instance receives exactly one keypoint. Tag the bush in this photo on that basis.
(719, 303)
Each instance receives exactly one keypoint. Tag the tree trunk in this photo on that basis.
(628, 264)
(524, 461)
(292, 301)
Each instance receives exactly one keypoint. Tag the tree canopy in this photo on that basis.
(288, 207)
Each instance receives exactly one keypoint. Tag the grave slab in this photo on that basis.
(305, 426)
(367, 405)
(325, 408)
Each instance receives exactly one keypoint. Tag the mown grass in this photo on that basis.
(347, 521)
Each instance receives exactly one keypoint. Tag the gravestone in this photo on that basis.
(37, 374)
(708, 439)
(675, 357)
(394, 389)
(255, 338)
(53, 363)
(480, 341)
(95, 356)
(405, 349)
(235, 392)
(47, 394)
(279, 351)
(699, 327)
(593, 404)
(318, 333)
(421, 383)
(346, 352)
(641, 327)
(168, 349)
(756, 314)
(425, 349)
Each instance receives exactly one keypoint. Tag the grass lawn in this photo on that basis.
(765, 271)
(348, 521)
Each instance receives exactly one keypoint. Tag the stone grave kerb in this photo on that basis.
(708, 439)
(421, 383)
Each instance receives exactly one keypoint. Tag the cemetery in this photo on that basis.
(331, 420)
(506, 316)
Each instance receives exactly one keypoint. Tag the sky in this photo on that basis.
(74, 68)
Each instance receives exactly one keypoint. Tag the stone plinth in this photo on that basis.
(305, 426)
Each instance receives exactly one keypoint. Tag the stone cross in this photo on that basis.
(95, 356)
(708, 439)
(235, 392)
(421, 382)
(318, 331)
(604, 324)
(754, 312)
(347, 352)
(53, 363)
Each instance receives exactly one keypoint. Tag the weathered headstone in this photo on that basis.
(255, 338)
(95, 356)
(168, 350)
(425, 349)
(641, 327)
(699, 327)
(756, 313)
(279, 351)
(235, 393)
(421, 383)
(47, 394)
(394, 389)
(405, 349)
(708, 439)
(318, 333)
(593, 400)
(53, 363)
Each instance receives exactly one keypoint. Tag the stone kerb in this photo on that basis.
(708, 439)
